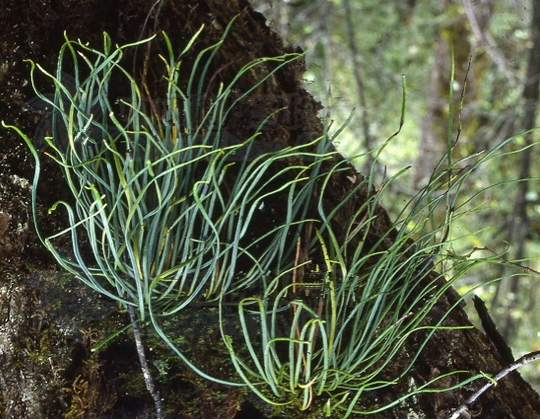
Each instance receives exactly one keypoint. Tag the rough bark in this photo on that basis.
(47, 369)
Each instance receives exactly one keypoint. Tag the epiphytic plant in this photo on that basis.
(167, 209)
(150, 190)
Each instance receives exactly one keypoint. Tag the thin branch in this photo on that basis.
(528, 358)
(487, 42)
(148, 380)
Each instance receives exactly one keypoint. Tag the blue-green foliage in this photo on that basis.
(167, 227)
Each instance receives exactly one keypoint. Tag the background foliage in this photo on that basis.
(357, 54)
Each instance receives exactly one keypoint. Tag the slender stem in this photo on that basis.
(528, 358)
(144, 365)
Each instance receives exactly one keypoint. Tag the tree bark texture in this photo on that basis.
(46, 369)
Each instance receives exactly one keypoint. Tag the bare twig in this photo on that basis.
(528, 358)
(148, 380)
(487, 42)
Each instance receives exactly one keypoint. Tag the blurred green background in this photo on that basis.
(357, 52)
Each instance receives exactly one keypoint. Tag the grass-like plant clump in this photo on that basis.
(168, 213)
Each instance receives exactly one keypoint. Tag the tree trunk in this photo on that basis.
(47, 369)
(518, 230)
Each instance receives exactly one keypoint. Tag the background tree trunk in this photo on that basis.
(47, 369)
(518, 228)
